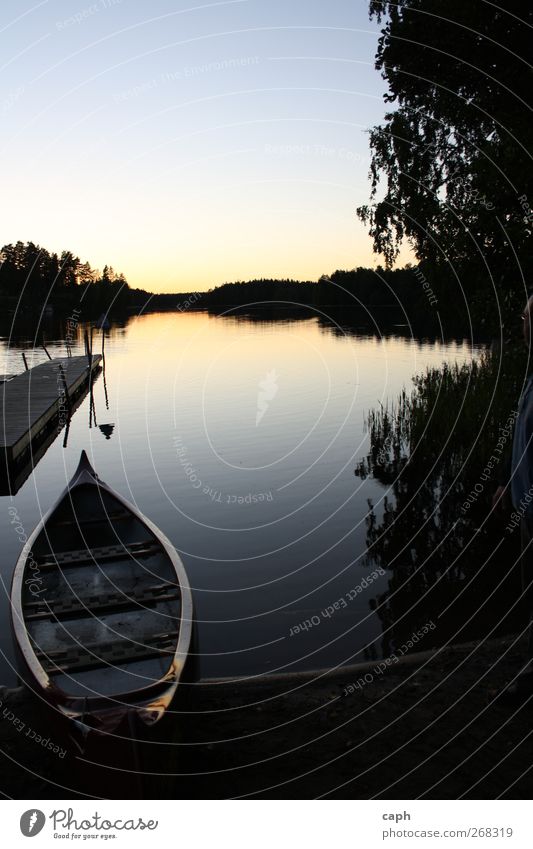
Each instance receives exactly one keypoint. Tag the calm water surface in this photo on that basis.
(239, 438)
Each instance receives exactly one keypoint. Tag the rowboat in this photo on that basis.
(101, 608)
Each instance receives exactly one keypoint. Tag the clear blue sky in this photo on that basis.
(189, 143)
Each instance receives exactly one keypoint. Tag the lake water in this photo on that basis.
(238, 436)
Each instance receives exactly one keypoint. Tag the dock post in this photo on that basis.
(89, 347)
(92, 411)
(65, 387)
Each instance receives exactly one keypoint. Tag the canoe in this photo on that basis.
(101, 608)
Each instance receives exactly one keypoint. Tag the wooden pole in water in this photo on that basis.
(25, 360)
(92, 407)
(67, 429)
(87, 348)
(105, 384)
(65, 387)
(46, 350)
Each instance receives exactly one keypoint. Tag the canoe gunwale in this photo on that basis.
(162, 690)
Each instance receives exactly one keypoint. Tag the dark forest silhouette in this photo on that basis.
(31, 278)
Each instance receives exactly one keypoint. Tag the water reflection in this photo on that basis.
(449, 565)
(264, 510)
(107, 430)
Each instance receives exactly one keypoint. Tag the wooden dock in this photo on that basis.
(32, 401)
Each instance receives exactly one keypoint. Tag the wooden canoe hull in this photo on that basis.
(101, 607)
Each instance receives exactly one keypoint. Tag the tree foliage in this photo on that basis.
(454, 152)
(35, 276)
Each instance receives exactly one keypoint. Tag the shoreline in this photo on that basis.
(404, 734)
(324, 672)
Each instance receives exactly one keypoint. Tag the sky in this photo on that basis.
(190, 143)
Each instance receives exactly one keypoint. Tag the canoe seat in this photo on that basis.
(111, 517)
(116, 653)
(106, 552)
(84, 606)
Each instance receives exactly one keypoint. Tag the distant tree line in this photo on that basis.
(409, 288)
(33, 277)
(256, 292)
(421, 292)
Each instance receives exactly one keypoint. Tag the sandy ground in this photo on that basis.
(426, 727)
